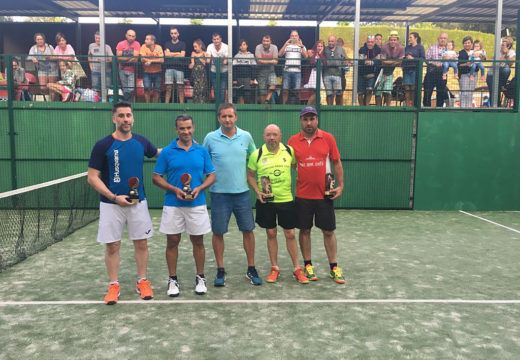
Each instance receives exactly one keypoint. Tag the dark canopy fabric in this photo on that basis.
(412, 11)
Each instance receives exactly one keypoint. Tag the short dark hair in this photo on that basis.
(183, 117)
(60, 36)
(173, 28)
(152, 36)
(267, 36)
(225, 106)
(378, 35)
(39, 34)
(121, 104)
(466, 38)
(216, 34)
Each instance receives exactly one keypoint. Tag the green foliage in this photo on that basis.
(196, 21)
(124, 21)
(427, 31)
(343, 23)
(55, 19)
(271, 23)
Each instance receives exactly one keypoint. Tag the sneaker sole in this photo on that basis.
(251, 281)
(337, 281)
(172, 295)
(114, 301)
(200, 293)
(301, 282)
(144, 298)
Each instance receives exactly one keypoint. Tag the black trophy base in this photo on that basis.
(188, 197)
(268, 198)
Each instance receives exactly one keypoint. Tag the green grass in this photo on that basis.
(384, 254)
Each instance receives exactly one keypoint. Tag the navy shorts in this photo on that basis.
(223, 204)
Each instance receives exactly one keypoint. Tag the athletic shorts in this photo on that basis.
(178, 219)
(265, 79)
(223, 204)
(113, 218)
(266, 215)
(386, 85)
(321, 211)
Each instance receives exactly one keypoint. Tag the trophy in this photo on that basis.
(329, 185)
(186, 180)
(266, 188)
(133, 195)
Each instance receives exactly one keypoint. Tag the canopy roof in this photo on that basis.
(412, 11)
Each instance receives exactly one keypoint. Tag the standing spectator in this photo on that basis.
(152, 57)
(433, 78)
(368, 56)
(332, 71)
(174, 75)
(128, 52)
(218, 52)
(95, 61)
(317, 52)
(275, 165)
(341, 43)
(504, 69)
(466, 82)
(266, 57)
(413, 51)
(229, 147)
(64, 87)
(391, 53)
(316, 154)
(41, 55)
(198, 72)
(66, 51)
(184, 211)
(293, 50)
(243, 68)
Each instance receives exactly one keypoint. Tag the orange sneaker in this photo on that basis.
(273, 276)
(113, 294)
(300, 276)
(144, 289)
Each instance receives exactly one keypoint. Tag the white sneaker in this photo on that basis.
(173, 288)
(200, 285)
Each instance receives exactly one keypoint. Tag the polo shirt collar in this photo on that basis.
(319, 134)
(266, 151)
(237, 132)
(176, 146)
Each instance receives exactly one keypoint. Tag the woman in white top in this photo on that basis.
(504, 69)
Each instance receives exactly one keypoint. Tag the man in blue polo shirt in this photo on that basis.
(114, 160)
(229, 148)
(184, 204)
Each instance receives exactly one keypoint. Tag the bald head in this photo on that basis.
(272, 137)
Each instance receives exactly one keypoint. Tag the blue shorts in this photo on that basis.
(223, 204)
(409, 77)
(365, 84)
(292, 80)
(149, 78)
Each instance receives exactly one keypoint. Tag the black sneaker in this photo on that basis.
(220, 279)
(252, 275)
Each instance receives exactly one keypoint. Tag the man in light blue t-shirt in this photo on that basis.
(229, 147)
(184, 163)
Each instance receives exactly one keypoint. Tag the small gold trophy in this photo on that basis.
(133, 195)
(329, 185)
(186, 180)
(267, 188)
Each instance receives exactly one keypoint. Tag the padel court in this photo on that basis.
(420, 284)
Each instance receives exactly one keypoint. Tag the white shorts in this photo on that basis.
(113, 218)
(193, 220)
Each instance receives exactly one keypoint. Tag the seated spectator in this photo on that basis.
(368, 55)
(243, 68)
(413, 51)
(199, 75)
(317, 52)
(174, 53)
(332, 71)
(293, 50)
(41, 55)
(391, 53)
(449, 53)
(127, 52)
(64, 87)
(95, 62)
(266, 57)
(19, 80)
(152, 57)
(504, 69)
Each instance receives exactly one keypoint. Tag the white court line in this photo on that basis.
(492, 222)
(266, 301)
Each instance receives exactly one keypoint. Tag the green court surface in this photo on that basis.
(420, 285)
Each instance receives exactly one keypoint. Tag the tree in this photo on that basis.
(271, 23)
(55, 19)
(196, 21)
(344, 23)
(124, 21)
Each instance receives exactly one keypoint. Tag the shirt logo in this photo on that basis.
(117, 179)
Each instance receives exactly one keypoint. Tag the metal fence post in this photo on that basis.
(217, 82)
(318, 86)
(10, 112)
(115, 76)
(418, 84)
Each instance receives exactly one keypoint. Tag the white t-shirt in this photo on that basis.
(222, 53)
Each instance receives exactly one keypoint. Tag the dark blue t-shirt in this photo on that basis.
(119, 160)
